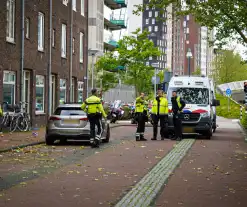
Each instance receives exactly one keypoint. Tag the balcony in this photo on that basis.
(110, 45)
(116, 4)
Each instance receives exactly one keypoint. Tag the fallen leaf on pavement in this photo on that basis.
(35, 172)
(23, 183)
(70, 171)
(96, 179)
(82, 147)
(76, 196)
(143, 146)
(227, 173)
(157, 157)
(185, 180)
(100, 169)
(127, 148)
(78, 164)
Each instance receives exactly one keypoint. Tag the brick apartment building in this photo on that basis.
(68, 72)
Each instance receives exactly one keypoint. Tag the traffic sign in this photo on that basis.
(228, 92)
(157, 79)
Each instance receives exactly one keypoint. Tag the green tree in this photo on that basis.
(133, 52)
(197, 72)
(228, 67)
(106, 79)
(228, 16)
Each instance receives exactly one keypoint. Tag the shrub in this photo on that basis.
(243, 121)
(222, 110)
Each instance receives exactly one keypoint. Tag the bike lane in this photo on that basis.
(214, 173)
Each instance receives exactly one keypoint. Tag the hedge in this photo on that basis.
(243, 121)
(222, 110)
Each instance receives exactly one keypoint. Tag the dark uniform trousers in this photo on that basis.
(141, 118)
(95, 120)
(163, 125)
(177, 122)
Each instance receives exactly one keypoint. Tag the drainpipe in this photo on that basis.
(49, 61)
(22, 50)
(71, 51)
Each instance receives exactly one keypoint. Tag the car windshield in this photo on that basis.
(69, 111)
(191, 95)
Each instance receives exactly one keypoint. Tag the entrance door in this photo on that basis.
(26, 94)
(53, 93)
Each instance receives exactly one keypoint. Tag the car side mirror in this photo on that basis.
(215, 102)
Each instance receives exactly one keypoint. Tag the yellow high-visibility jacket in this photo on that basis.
(93, 105)
(163, 107)
(139, 105)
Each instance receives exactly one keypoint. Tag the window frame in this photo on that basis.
(64, 41)
(61, 87)
(41, 31)
(10, 22)
(27, 28)
(80, 88)
(7, 72)
(73, 5)
(83, 7)
(81, 47)
(40, 86)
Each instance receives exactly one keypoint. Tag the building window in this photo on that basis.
(82, 7)
(147, 21)
(63, 41)
(165, 29)
(147, 63)
(41, 32)
(80, 91)
(147, 7)
(150, 13)
(156, 29)
(150, 58)
(150, 28)
(153, 21)
(53, 37)
(27, 21)
(187, 30)
(73, 45)
(81, 47)
(156, 13)
(40, 93)
(62, 97)
(9, 87)
(10, 27)
(74, 5)
(188, 17)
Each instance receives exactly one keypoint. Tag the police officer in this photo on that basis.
(95, 111)
(159, 112)
(177, 107)
(141, 117)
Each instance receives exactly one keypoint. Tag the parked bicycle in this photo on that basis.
(16, 117)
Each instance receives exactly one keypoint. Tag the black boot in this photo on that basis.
(142, 138)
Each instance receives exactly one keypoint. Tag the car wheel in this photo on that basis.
(209, 134)
(107, 136)
(214, 129)
(49, 140)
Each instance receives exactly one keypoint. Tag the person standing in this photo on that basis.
(177, 107)
(159, 112)
(94, 109)
(140, 117)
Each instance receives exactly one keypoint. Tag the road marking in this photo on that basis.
(147, 189)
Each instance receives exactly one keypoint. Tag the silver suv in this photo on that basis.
(70, 122)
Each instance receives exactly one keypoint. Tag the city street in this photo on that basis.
(212, 173)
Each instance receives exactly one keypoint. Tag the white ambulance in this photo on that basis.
(198, 114)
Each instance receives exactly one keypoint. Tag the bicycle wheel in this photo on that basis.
(13, 124)
(22, 123)
(28, 119)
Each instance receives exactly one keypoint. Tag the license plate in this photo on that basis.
(188, 130)
(71, 121)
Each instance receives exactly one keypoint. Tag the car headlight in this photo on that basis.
(204, 115)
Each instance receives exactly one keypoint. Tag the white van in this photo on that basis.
(198, 114)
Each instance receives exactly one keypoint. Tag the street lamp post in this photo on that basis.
(155, 65)
(189, 56)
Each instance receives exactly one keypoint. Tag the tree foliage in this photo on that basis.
(197, 72)
(104, 67)
(227, 16)
(228, 67)
(133, 52)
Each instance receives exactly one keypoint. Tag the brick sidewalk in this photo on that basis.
(214, 173)
(8, 140)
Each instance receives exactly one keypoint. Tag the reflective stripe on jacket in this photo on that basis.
(163, 108)
(93, 105)
(139, 105)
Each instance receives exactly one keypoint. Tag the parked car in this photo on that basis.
(70, 122)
